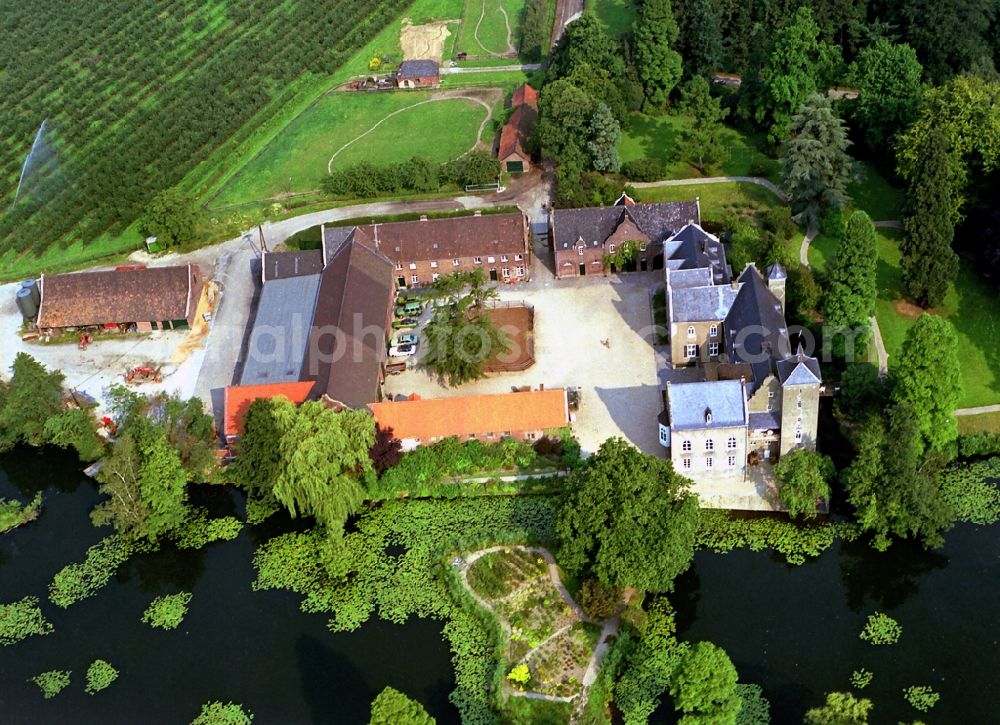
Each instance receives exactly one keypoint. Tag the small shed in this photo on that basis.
(418, 74)
(513, 138)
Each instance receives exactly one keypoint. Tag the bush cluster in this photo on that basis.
(979, 444)
(418, 175)
(644, 170)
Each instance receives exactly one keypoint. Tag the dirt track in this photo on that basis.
(566, 10)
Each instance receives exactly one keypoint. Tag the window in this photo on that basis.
(691, 330)
(518, 257)
(519, 271)
(506, 434)
(798, 436)
(413, 265)
(505, 271)
(642, 246)
(664, 438)
(691, 351)
(489, 435)
(731, 443)
(713, 348)
(732, 461)
(798, 404)
(611, 249)
(531, 436)
(415, 279)
(454, 263)
(477, 260)
(503, 257)
(491, 260)
(713, 331)
(472, 436)
(770, 393)
(709, 462)
(686, 446)
(686, 464)
(434, 277)
(434, 264)
(709, 445)
(579, 250)
(399, 265)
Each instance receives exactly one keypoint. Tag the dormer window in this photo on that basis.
(611, 249)
(579, 250)
(713, 331)
(708, 415)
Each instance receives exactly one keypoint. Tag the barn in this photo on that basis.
(512, 154)
(418, 74)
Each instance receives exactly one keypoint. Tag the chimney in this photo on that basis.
(423, 217)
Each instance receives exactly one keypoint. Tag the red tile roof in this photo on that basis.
(517, 128)
(479, 414)
(239, 397)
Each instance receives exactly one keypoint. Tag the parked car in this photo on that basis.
(406, 338)
(402, 350)
(409, 308)
(405, 322)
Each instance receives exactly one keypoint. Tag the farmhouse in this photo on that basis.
(418, 74)
(512, 154)
(583, 240)
(758, 400)
(421, 251)
(134, 298)
(488, 418)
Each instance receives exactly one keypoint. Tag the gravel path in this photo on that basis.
(883, 356)
(758, 180)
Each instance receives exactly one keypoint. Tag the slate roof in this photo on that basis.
(688, 404)
(692, 247)
(347, 341)
(777, 271)
(281, 265)
(478, 414)
(701, 304)
(280, 331)
(154, 294)
(766, 339)
(418, 69)
(697, 277)
(595, 224)
(800, 369)
(436, 239)
(520, 123)
(768, 420)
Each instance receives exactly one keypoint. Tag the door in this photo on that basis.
(583, 269)
(515, 167)
(493, 275)
(643, 265)
(400, 282)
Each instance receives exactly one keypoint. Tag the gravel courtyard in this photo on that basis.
(593, 333)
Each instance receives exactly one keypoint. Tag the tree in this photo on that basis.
(804, 477)
(32, 397)
(841, 708)
(889, 90)
(701, 142)
(420, 174)
(893, 487)
(386, 451)
(392, 707)
(815, 167)
(851, 285)
(75, 428)
(628, 518)
(460, 337)
(172, 217)
(928, 378)
(564, 118)
(658, 65)
(929, 263)
(145, 484)
(948, 38)
(584, 42)
(699, 40)
(479, 167)
(259, 461)
(534, 30)
(795, 69)
(604, 133)
(704, 686)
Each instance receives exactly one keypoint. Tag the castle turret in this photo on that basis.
(776, 278)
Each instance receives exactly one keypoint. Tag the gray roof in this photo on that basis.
(280, 331)
(765, 340)
(281, 265)
(693, 247)
(765, 421)
(701, 304)
(417, 69)
(776, 271)
(698, 277)
(799, 369)
(690, 403)
(595, 224)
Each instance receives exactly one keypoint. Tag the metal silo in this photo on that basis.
(36, 293)
(26, 304)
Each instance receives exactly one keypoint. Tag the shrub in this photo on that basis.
(881, 629)
(861, 678)
(644, 170)
(520, 674)
(167, 612)
(53, 682)
(721, 533)
(217, 713)
(979, 444)
(922, 697)
(778, 220)
(543, 446)
(22, 619)
(100, 675)
(597, 601)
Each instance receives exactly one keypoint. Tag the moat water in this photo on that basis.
(793, 630)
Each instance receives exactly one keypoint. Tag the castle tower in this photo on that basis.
(800, 384)
(776, 278)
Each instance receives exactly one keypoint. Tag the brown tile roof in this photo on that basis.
(437, 239)
(347, 338)
(237, 398)
(127, 295)
(520, 123)
(479, 414)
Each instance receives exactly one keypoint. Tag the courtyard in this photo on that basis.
(594, 333)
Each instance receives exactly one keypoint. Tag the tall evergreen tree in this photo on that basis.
(815, 165)
(659, 65)
(797, 67)
(949, 37)
(929, 263)
(852, 287)
(927, 377)
(699, 40)
(701, 142)
(888, 90)
(604, 135)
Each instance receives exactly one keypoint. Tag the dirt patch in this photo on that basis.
(519, 325)
(424, 42)
(907, 309)
(199, 330)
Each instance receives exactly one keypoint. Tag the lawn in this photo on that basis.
(658, 137)
(529, 711)
(615, 15)
(872, 193)
(982, 423)
(493, 34)
(297, 158)
(715, 199)
(971, 306)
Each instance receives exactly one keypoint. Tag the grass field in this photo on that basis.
(297, 159)
(871, 192)
(658, 137)
(715, 199)
(971, 307)
(495, 36)
(982, 423)
(615, 15)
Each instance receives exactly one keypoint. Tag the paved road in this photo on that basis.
(978, 411)
(811, 233)
(566, 12)
(883, 356)
(457, 70)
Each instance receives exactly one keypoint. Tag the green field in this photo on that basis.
(615, 15)
(871, 192)
(971, 306)
(715, 199)
(485, 31)
(297, 159)
(658, 137)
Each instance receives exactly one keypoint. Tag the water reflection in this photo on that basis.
(885, 581)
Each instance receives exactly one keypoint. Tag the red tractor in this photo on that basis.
(143, 374)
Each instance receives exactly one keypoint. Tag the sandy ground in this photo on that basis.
(573, 320)
(424, 42)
